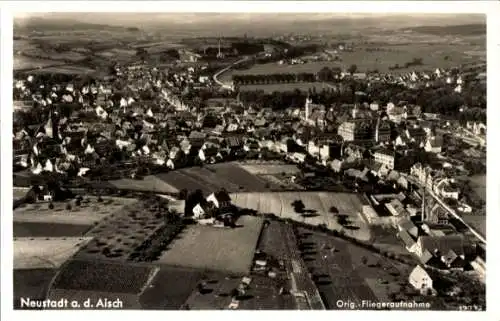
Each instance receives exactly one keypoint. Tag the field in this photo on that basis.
(87, 214)
(32, 283)
(45, 253)
(117, 53)
(22, 63)
(211, 178)
(19, 193)
(303, 86)
(103, 277)
(318, 204)
(150, 183)
(433, 55)
(28, 229)
(269, 169)
(70, 56)
(170, 288)
(65, 69)
(118, 236)
(214, 248)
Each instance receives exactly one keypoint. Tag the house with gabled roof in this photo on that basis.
(421, 280)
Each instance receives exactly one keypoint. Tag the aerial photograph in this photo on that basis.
(249, 161)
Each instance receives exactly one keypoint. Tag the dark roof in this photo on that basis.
(234, 141)
(222, 196)
(443, 244)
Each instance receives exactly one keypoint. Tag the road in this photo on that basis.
(476, 233)
(220, 72)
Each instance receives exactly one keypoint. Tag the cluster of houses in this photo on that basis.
(427, 234)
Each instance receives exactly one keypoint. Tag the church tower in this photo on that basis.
(307, 108)
(377, 130)
(355, 111)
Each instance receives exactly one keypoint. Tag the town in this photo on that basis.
(252, 173)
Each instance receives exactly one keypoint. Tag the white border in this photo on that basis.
(490, 8)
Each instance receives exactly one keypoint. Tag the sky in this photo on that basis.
(142, 18)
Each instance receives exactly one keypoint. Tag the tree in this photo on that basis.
(298, 206)
(68, 206)
(334, 210)
(51, 206)
(183, 193)
(352, 69)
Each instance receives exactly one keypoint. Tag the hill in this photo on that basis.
(452, 30)
(46, 24)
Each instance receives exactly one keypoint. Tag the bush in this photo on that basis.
(51, 206)
(68, 207)
(99, 199)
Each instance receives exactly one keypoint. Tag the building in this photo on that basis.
(356, 130)
(385, 157)
(448, 250)
(434, 145)
(405, 224)
(421, 280)
(397, 209)
(408, 240)
(479, 265)
(382, 132)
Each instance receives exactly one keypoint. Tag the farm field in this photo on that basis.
(269, 169)
(214, 248)
(22, 63)
(150, 183)
(214, 177)
(28, 229)
(341, 273)
(119, 236)
(269, 88)
(317, 203)
(117, 53)
(170, 288)
(86, 214)
(433, 56)
(45, 253)
(71, 56)
(19, 193)
(65, 69)
(32, 283)
(103, 276)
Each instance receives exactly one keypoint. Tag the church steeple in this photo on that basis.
(307, 108)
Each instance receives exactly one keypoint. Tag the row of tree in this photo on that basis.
(326, 74)
(273, 78)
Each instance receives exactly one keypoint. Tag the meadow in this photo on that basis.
(318, 207)
(45, 252)
(216, 248)
(26, 63)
